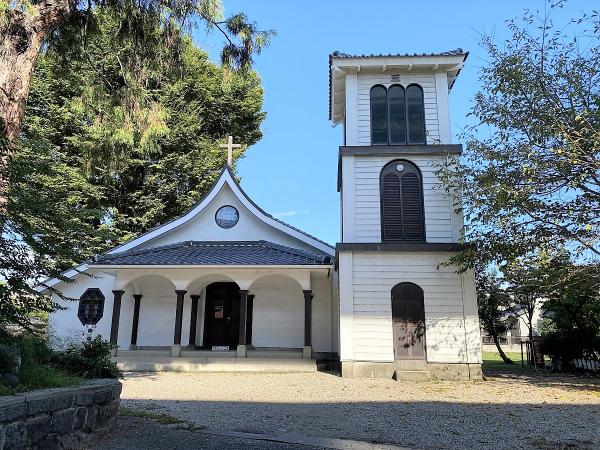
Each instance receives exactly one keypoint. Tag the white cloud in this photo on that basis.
(292, 213)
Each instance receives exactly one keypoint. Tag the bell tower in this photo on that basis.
(400, 309)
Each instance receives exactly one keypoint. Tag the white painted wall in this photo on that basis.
(451, 321)
(322, 320)
(278, 315)
(278, 319)
(63, 325)
(204, 228)
(362, 218)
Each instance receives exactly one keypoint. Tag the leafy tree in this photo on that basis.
(530, 174)
(26, 26)
(152, 165)
(89, 172)
(528, 279)
(494, 304)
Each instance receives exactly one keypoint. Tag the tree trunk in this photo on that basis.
(20, 43)
(505, 358)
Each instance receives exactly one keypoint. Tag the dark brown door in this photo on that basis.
(222, 315)
(408, 314)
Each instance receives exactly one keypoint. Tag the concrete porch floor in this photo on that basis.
(209, 361)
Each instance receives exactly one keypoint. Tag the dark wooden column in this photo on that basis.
(308, 296)
(178, 316)
(136, 319)
(116, 315)
(193, 320)
(243, 315)
(249, 315)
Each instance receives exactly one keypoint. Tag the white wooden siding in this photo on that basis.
(449, 305)
(367, 80)
(442, 224)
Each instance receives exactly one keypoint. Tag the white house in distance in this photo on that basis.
(228, 286)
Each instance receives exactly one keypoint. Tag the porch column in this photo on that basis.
(307, 351)
(193, 320)
(136, 319)
(116, 315)
(242, 347)
(176, 349)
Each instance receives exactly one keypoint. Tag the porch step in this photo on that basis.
(412, 375)
(203, 364)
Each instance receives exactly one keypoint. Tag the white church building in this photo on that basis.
(228, 286)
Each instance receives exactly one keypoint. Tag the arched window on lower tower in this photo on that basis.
(401, 197)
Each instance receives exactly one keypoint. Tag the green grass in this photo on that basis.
(493, 363)
(160, 418)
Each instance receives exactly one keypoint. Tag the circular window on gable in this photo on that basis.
(227, 216)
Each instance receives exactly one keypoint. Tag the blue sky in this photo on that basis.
(292, 171)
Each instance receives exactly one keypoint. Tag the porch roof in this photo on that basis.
(235, 253)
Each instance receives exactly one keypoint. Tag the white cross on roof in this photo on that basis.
(230, 146)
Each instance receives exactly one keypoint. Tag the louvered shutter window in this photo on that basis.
(401, 202)
(392, 208)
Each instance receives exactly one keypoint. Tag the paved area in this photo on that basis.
(528, 412)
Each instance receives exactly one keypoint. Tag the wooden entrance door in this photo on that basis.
(222, 315)
(408, 314)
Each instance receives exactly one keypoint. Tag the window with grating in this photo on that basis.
(91, 306)
(402, 217)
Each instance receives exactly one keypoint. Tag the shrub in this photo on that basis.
(35, 369)
(565, 347)
(92, 359)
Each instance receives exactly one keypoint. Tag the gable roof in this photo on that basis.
(199, 253)
(225, 177)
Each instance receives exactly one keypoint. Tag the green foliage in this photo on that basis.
(121, 134)
(546, 326)
(528, 280)
(573, 309)
(92, 359)
(36, 370)
(494, 303)
(530, 173)
(151, 162)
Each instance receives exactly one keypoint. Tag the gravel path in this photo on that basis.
(134, 433)
(502, 413)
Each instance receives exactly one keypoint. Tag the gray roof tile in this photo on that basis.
(215, 253)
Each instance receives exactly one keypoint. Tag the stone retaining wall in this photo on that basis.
(58, 418)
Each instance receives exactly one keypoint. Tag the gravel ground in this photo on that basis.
(134, 433)
(543, 412)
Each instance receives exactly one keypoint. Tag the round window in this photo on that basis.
(227, 216)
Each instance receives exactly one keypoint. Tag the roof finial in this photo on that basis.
(230, 146)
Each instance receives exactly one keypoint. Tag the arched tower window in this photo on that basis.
(401, 196)
(415, 114)
(379, 120)
(397, 115)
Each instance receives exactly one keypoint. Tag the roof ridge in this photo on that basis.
(455, 52)
(294, 251)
